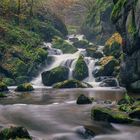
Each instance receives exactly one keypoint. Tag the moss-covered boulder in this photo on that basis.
(82, 99)
(3, 87)
(55, 75)
(8, 81)
(106, 66)
(81, 69)
(109, 115)
(93, 52)
(14, 133)
(113, 46)
(72, 84)
(24, 87)
(63, 45)
(81, 44)
(126, 100)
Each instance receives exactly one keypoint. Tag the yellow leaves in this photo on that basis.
(116, 37)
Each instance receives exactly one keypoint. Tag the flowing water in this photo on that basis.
(51, 114)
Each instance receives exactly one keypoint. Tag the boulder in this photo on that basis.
(135, 86)
(72, 84)
(81, 44)
(63, 45)
(126, 100)
(24, 87)
(113, 46)
(81, 69)
(82, 99)
(93, 52)
(3, 87)
(55, 75)
(110, 82)
(109, 115)
(106, 66)
(14, 133)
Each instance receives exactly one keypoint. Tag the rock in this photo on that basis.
(24, 87)
(109, 83)
(135, 114)
(72, 84)
(113, 46)
(3, 87)
(63, 45)
(127, 21)
(109, 115)
(102, 78)
(8, 81)
(81, 44)
(92, 52)
(81, 69)
(13, 133)
(2, 95)
(55, 75)
(135, 86)
(82, 99)
(126, 100)
(106, 66)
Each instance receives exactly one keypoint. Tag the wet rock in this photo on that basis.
(63, 45)
(24, 87)
(81, 69)
(55, 75)
(102, 78)
(14, 133)
(72, 84)
(113, 46)
(109, 83)
(82, 99)
(110, 115)
(93, 52)
(106, 66)
(81, 44)
(135, 113)
(3, 87)
(126, 100)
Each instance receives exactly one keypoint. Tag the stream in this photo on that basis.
(52, 114)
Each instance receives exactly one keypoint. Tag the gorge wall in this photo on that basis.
(126, 17)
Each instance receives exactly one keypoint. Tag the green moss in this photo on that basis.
(55, 75)
(109, 115)
(24, 87)
(61, 44)
(81, 44)
(3, 87)
(117, 10)
(8, 81)
(81, 69)
(2, 95)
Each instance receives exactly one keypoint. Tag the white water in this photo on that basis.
(69, 61)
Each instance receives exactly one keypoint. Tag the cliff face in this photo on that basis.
(97, 25)
(126, 17)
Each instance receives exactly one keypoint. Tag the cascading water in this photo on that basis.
(69, 61)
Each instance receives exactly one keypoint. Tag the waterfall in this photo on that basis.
(69, 61)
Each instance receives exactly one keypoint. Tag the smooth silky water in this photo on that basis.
(52, 114)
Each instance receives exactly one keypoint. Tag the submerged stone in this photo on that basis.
(82, 99)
